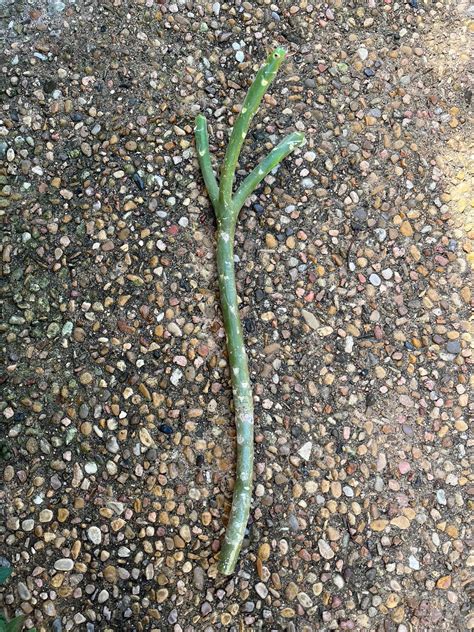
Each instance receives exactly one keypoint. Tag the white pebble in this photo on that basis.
(413, 563)
(305, 451)
(325, 549)
(64, 564)
(375, 280)
(175, 377)
(349, 344)
(94, 534)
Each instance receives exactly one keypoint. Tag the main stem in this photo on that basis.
(243, 403)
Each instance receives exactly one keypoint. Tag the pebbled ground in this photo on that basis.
(354, 266)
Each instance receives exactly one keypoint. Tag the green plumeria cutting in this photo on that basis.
(227, 207)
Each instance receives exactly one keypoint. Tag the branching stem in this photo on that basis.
(227, 208)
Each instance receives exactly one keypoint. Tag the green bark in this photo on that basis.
(227, 208)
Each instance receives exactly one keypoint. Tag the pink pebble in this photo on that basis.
(404, 467)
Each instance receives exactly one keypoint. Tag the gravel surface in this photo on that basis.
(354, 268)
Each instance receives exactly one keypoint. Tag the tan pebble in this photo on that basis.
(329, 378)
(85, 378)
(444, 582)
(380, 372)
(297, 490)
(8, 473)
(415, 253)
(325, 486)
(305, 600)
(270, 241)
(466, 294)
(193, 413)
(46, 515)
(287, 613)
(406, 229)
(162, 595)
(291, 591)
(378, 525)
(144, 391)
(401, 522)
(145, 438)
(398, 614)
(336, 489)
(276, 580)
(110, 574)
(185, 533)
(76, 549)
(452, 531)
(392, 600)
(325, 331)
(117, 524)
(264, 551)
(105, 512)
(463, 400)
(57, 580)
(333, 534)
(460, 425)
(310, 319)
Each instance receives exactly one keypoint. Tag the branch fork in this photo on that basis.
(227, 207)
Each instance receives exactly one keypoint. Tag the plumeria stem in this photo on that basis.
(227, 208)
(262, 170)
(204, 158)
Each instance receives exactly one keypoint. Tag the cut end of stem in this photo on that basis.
(299, 139)
(279, 52)
(200, 121)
